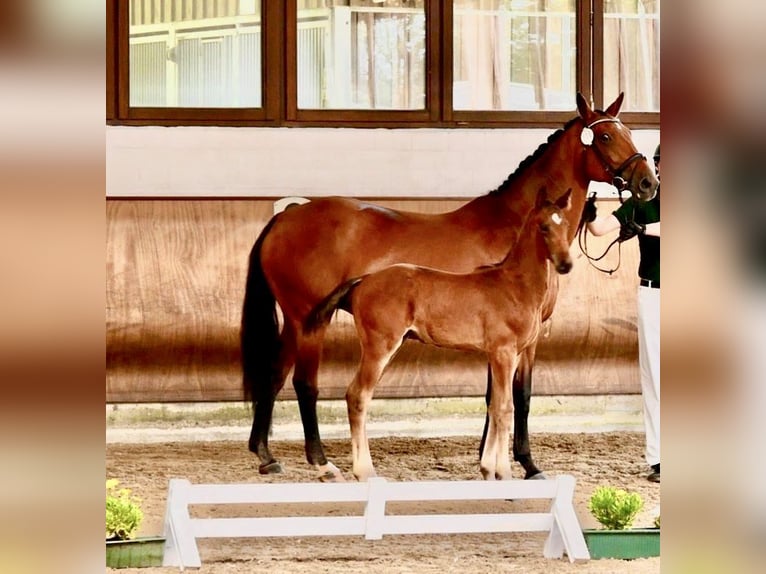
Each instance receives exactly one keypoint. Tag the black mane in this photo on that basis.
(530, 159)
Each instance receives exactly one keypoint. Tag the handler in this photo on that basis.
(642, 220)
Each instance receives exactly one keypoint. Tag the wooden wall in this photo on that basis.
(175, 281)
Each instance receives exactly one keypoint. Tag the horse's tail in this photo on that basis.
(338, 299)
(259, 334)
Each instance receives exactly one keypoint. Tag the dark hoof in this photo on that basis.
(272, 467)
(540, 475)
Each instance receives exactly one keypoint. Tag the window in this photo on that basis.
(361, 55)
(203, 54)
(631, 53)
(407, 63)
(514, 55)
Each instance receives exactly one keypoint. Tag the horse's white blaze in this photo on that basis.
(556, 218)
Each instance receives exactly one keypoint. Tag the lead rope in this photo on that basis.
(582, 241)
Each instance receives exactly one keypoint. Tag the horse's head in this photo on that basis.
(550, 219)
(611, 155)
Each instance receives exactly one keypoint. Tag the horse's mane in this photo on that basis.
(532, 158)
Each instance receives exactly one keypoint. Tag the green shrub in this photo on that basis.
(615, 508)
(123, 513)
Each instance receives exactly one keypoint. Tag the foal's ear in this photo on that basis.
(614, 109)
(565, 201)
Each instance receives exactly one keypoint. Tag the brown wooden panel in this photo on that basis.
(175, 281)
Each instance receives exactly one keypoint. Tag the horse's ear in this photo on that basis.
(614, 109)
(584, 109)
(565, 201)
(542, 197)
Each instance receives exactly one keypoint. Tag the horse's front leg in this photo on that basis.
(487, 400)
(495, 461)
(306, 387)
(522, 394)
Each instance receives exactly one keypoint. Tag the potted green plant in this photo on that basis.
(616, 509)
(123, 518)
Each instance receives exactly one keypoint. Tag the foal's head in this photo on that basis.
(549, 219)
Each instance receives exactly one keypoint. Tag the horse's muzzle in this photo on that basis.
(564, 267)
(647, 188)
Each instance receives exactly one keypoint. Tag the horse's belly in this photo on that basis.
(460, 337)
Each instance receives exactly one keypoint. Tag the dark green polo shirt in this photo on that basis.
(649, 246)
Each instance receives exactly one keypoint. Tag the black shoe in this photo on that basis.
(655, 475)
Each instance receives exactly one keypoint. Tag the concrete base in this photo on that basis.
(154, 422)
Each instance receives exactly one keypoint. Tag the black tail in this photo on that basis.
(259, 334)
(338, 299)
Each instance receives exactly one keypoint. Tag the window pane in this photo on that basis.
(632, 53)
(364, 54)
(195, 53)
(514, 55)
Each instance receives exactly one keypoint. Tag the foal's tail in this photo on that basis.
(259, 334)
(338, 299)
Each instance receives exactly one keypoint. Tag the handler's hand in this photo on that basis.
(631, 229)
(589, 209)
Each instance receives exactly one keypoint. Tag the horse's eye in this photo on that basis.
(544, 227)
(605, 137)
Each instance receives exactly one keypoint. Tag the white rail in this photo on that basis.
(182, 531)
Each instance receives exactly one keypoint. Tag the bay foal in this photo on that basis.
(496, 309)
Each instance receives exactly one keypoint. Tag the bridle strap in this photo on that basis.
(601, 121)
(617, 180)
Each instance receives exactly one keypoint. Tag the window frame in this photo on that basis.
(272, 15)
(279, 73)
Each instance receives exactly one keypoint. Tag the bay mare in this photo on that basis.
(495, 309)
(307, 251)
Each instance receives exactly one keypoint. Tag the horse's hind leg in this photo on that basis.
(309, 352)
(264, 406)
(522, 394)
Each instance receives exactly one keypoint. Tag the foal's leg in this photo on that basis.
(377, 351)
(495, 461)
(309, 351)
(522, 393)
(264, 404)
(358, 398)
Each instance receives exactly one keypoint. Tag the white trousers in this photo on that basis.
(649, 365)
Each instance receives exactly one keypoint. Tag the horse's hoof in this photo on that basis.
(487, 474)
(537, 476)
(272, 467)
(364, 477)
(330, 476)
(329, 473)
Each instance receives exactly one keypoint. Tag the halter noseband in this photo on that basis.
(586, 137)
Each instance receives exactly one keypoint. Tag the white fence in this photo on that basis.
(182, 531)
